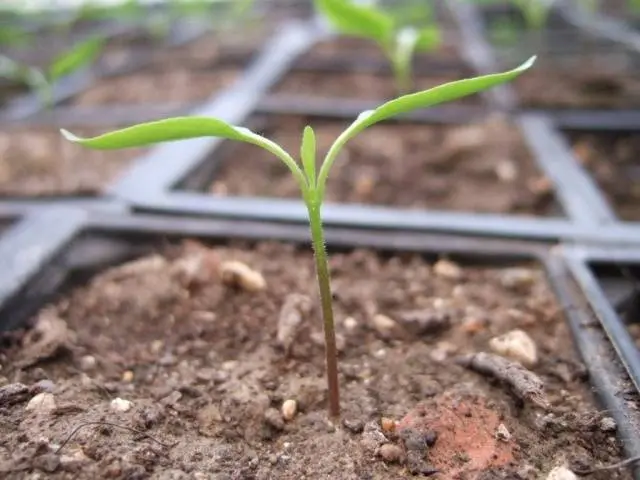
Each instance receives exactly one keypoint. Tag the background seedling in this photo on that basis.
(42, 82)
(398, 41)
(311, 179)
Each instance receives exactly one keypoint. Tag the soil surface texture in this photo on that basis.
(612, 160)
(362, 71)
(41, 162)
(214, 356)
(544, 88)
(481, 168)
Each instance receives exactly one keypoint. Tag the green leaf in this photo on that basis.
(357, 20)
(407, 103)
(80, 55)
(182, 128)
(308, 154)
(428, 38)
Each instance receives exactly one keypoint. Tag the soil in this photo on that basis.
(355, 78)
(173, 86)
(612, 160)
(577, 88)
(478, 168)
(200, 362)
(40, 162)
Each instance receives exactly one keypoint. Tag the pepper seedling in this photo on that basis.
(398, 42)
(311, 180)
(42, 81)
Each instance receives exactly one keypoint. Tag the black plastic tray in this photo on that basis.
(50, 245)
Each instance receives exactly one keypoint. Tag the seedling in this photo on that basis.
(397, 42)
(42, 82)
(311, 180)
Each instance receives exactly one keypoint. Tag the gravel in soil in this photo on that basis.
(482, 167)
(214, 356)
(612, 160)
(40, 162)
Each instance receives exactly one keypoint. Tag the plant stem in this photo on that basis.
(322, 270)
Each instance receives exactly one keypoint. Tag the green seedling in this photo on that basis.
(311, 179)
(397, 41)
(42, 81)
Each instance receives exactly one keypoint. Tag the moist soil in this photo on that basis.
(482, 167)
(564, 89)
(355, 77)
(40, 162)
(199, 360)
(612, 160)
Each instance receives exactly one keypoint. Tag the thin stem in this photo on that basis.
(322, 270)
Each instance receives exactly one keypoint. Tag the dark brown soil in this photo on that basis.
(479, 168)
(612, 160)
(41, 162)
(206, 377)
(558, 88)
(173, 86)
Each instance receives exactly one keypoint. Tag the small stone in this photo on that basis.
(561, 473)
(14, 393)
(427, 321)
(386, 327)
(120, 405)
(88, 362)
(447, 269)
(516, 345)
(172, 399)
(156, 346)
(292, 313)
(238, 274)
(73, 460)
(289, 409)
(350, 324)
(388, 425)
(166, 360)
(506, 171)
(502, 433)
(372, 436)
(608, 424)
(42, 403)
(273, 418)
(45, 386)
(442, 351)
(391, 453)
(127, 376)
(49, 462)
(519, 279)
(353, 425)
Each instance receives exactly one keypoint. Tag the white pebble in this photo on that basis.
(88, 362)
(350, 324)
(42, 403)
(447, 269)
(503, 433)
(516, 345)
(608, 424)
(385, 326)
(289, 409)
(238, 274)
(120, 405)
(561, 473)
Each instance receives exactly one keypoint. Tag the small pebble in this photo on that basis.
(561, 473)
(350, 324)
(517, 278)
(45, 386)
(386, 327)
(289, 409)
(372, 436)
(238, 274)
(353, 425)
(608, 424)
(447, 269)
(273, 418)
(502, 433)
(120, 405)
(391, 453)
(516, 345)
(127, 376)
(88, 362)
(42, 403)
